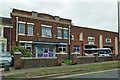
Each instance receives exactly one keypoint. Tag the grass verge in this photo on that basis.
(66, 69)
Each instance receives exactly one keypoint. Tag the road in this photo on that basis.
(112, 74)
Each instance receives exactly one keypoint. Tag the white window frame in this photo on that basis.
(46, 31)
(67, 33)
(62, 49)
(108, 41)
(91, 38)
(20, 22)
(32, 29)
(61, 32)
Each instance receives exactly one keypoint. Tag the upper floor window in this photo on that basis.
(65, 33)
(108, 40)
(91, 39)
(30, 29)
(46, 31)
(59, 32)
(76, 49)
(22, 28)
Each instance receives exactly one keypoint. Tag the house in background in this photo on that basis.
(5, 28)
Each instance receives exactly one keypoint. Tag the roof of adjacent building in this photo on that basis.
(5, 21)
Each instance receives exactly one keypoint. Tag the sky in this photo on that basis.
(98, 14)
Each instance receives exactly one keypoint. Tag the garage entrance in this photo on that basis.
(108, 46)
(90, 46)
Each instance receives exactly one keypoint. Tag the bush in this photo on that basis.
(67, 61)
(24, 52)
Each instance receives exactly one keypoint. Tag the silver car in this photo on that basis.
(5, 57)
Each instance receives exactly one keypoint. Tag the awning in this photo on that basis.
(46, 42)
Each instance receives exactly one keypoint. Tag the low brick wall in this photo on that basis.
(104, 58)
(34, 62)
(85, 59)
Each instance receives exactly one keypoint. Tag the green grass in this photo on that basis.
(66, 69)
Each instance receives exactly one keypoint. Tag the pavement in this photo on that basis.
(12, 71)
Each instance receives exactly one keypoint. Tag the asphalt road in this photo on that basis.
(112, 74)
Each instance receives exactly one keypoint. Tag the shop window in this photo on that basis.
(91, 39)
(76, 49)
(65, 33)
(59, 33)
(62, 49)
(26, 46)
(46, 31)
(108, 40)
(30, 29)
(21, 28)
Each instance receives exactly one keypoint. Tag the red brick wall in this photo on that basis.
(88, 32)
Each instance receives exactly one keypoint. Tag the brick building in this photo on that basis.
(46, 35)
(5, 28)
(84, 38)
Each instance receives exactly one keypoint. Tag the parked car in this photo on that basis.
(5, 57)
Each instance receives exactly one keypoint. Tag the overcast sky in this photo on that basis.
(98, 14)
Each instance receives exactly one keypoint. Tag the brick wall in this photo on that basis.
(38, 62)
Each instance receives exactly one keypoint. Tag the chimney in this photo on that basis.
(34, 14)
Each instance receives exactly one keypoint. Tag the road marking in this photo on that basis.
(85, 73)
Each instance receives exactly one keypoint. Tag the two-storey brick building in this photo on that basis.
(46, 35)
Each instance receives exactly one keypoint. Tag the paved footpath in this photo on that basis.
(12, 71)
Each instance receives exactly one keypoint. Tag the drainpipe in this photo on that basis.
(82, 50)
(69, 42)
(16, 31)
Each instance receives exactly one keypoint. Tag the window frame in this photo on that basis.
(59, 28)
(19, 28)
(75, 47)
(46, 26)
(91, 38)
(108, 41)
(32, 29)
(2, 29)
(62, 46)
(64, 33)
